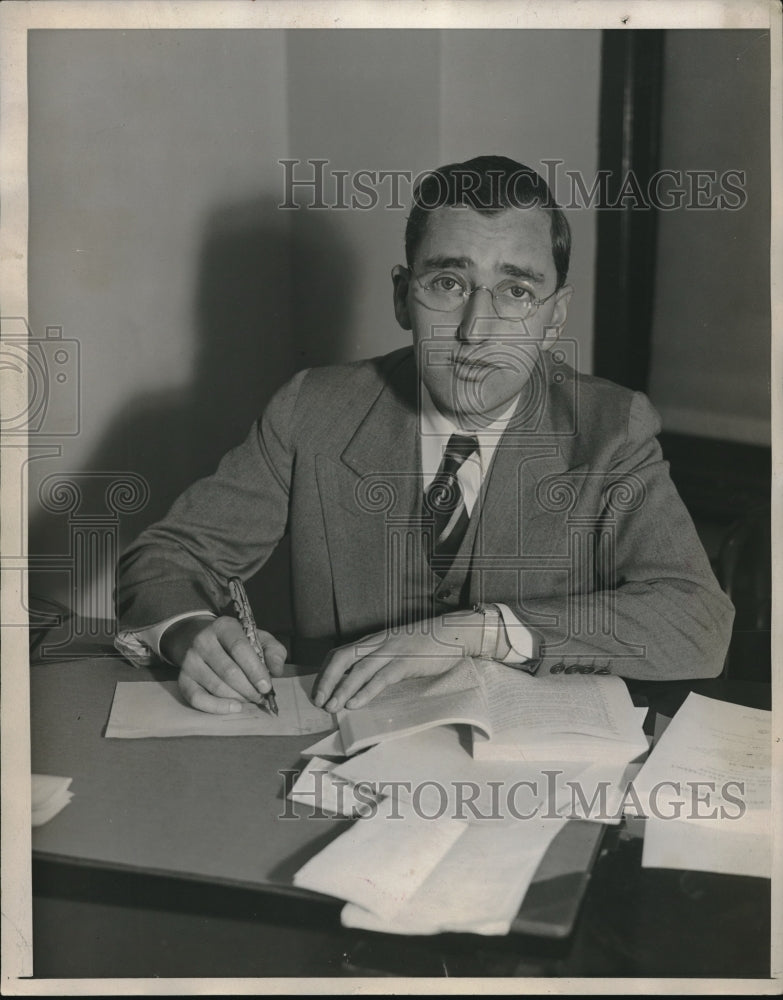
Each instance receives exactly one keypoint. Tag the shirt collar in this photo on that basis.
(436, 429)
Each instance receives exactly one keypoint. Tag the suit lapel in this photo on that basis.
(536, 445)
(374, 485)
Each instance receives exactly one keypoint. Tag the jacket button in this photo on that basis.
(444, 595)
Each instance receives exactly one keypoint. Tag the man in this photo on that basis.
(473, 495)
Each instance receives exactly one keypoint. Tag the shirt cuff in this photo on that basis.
(521, 639)
(142, 646)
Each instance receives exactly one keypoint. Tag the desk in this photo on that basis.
(170, 861)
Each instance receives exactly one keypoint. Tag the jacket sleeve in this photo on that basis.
(225, 525)
(649, 606)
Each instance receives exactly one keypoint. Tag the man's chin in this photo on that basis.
(471, 409)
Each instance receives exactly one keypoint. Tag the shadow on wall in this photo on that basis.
(251, 335)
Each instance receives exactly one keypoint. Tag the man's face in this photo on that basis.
(473, 361)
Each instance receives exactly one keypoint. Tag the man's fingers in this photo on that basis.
(338, 662)
(237, 648)
(209, 646)
(197, 697)
(355, 680)
(202, 672)
(274, 652)
(394, 671)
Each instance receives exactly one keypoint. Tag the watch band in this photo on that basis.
(489, 633)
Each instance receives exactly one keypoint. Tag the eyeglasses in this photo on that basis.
(444, 291)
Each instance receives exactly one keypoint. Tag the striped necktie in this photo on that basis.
(445, 504)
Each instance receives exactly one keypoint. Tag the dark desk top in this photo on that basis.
(197, 807)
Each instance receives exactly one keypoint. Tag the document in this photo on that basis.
(156, 708)
(477, 887)
(706, 791)
(711, 749)
(49, 795)
(381, 861)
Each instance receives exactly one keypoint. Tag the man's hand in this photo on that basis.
(352, 675)
(219, 670)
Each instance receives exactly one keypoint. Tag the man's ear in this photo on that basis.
(554, 327)
(401, 280)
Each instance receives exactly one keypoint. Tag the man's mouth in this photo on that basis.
(472, 368)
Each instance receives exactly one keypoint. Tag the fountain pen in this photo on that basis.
(245, 615)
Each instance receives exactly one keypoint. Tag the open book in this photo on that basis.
(514, 716)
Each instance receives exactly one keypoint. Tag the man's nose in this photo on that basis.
(479, 320)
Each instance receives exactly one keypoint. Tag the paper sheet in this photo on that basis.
(380, 862)
(709, 741)
(49, 794)
(317, 788)
(156, 708)
(329, 746)
(705, 790)
(708, 846)
(479, 885)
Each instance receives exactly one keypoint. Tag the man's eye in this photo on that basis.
(518, 292)
(446, 283)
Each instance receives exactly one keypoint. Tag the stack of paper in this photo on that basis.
(406, 874)
(456, 820)
(705, 791)
(510, 812)
(49, 795)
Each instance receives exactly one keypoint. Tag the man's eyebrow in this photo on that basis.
(514, 271)
(461, 263)
(444, 261)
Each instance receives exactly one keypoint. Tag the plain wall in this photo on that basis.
(156, 239)
(711, 324)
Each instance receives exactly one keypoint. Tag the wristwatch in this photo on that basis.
(489, 634)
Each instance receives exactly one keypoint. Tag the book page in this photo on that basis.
(417, 703)
(557, 704)
(156, 708)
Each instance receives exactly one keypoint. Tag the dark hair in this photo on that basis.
(488, 184)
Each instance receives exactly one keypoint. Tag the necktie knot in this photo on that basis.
(444, 494)
(458, 450)
(444, 502)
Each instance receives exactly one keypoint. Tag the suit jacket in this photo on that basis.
(579, 528)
